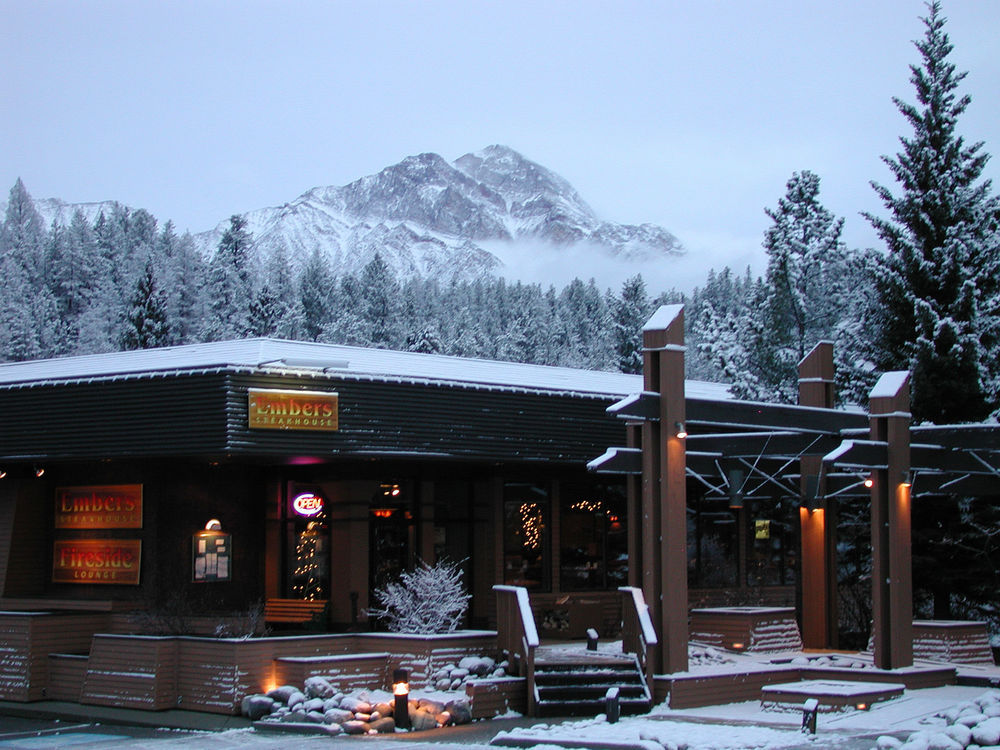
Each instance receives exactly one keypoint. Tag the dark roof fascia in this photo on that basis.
(323, 376)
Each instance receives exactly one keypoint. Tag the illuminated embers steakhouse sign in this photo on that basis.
(96, 561)
(116, 506)
(292, 410)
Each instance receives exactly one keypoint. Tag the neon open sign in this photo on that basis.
(307, 504)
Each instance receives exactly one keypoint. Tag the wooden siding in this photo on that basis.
(498, 696)
(441, 420)
(958, 642)
(27, 639)
(422, 656)
(155, 415)
(742, 684)
(760, 629)
(66, 675)
(206, 414)
(131, 672)
(345, 671)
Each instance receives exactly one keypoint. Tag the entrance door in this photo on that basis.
(390, 526)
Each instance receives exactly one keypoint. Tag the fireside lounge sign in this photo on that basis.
(292, 410)
(96, 561)
(117, 506)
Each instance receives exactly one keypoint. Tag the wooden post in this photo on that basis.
(818, 526)
(664, 497)
(892, 571)
(633, 499)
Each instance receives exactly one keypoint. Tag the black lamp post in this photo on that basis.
(401, 695)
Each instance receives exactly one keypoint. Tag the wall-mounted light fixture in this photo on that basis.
(869, 482)
(213, 524)
(680, 430)
(2, 473)
(906, 478)
(39, 471)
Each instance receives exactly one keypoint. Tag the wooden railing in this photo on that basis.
(517, 636)
(638, 635)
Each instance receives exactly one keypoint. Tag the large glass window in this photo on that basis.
(712, 546)
(308, 544)
(771, 543)
(526, 536)
(593, 544)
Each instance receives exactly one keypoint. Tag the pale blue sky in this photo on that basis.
(691, 115)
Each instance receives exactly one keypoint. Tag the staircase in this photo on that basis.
(577, 687)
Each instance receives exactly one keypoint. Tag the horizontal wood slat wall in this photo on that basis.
(27, 639)
(497, 696)
(960, 642)
(66, 676)
(131, 672)
(345, 671)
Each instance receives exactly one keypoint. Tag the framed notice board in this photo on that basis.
(211, 556)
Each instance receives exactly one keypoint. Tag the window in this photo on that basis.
(525, 537)
(593, 542)
(712, 545)
(308, 545)
(771, 543)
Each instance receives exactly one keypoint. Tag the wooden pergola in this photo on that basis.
(811, 451)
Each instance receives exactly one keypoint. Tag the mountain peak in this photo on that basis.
(437, 219)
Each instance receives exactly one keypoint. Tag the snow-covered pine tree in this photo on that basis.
(630, 313)
(145, 324)
(938, 287)
(22, 234)
(183, 272)
(379, 292)
(804, 293)
(315, 287)
(229, 287)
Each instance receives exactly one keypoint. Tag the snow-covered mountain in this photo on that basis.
(430, 217)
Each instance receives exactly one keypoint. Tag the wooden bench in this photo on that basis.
(294, 611)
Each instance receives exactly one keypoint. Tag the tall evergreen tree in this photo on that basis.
(631, 311)
(938, 287)
(145, 324)
(380, 304)
(805, 296)
(230, 285)
(315, 291)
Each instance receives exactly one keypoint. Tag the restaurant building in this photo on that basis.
(225, 474)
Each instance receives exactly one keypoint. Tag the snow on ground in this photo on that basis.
(747, 725)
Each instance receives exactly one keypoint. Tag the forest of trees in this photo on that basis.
(929, 301)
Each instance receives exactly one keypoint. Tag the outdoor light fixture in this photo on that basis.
(401, 698)
(809, 709)
(861, 706)
(735, 479)
(39, 471)
(738, 646)
(2, 473)
(681, 430)
(869, 482)
(906, 478)
(213, 525)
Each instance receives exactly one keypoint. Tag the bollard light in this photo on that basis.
(612, 705)
(592, 639)
(401, 698)
(809, 709)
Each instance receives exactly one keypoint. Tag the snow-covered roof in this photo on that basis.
(347, 361)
